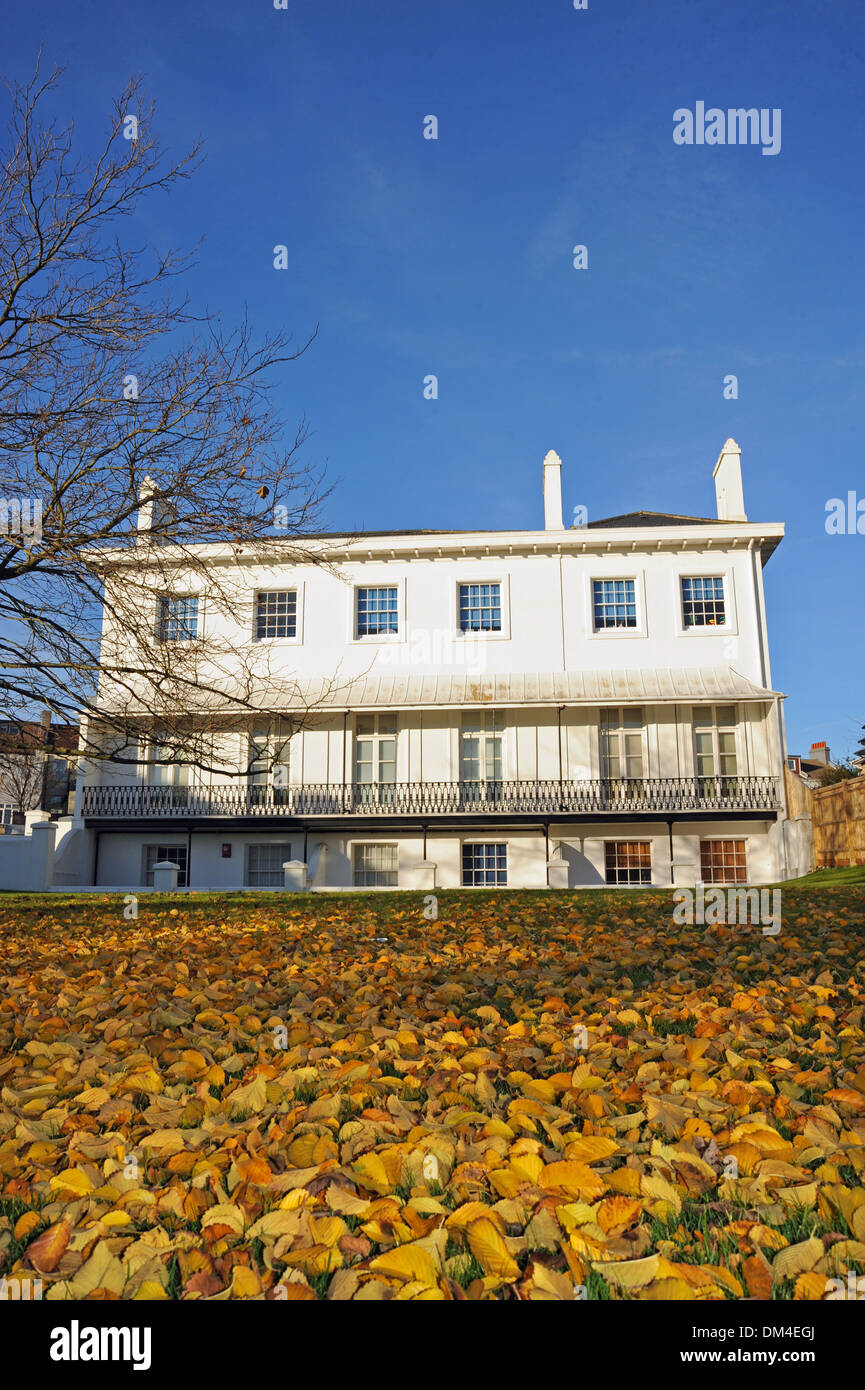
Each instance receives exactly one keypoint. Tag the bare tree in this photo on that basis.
(22, 771)
(131, 432)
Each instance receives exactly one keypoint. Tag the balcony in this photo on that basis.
(601, 796)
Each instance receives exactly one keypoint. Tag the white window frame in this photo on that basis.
(737, 728)
(178, 598)
(377, 638)
(356, 845)
(504, 633)
(736, 883)
(278, 752)
(284, 845)
(705, 570)
(478, 844)
(618, 710)
(298, 590)
(178, 776)
(606, 634)
(629, 840)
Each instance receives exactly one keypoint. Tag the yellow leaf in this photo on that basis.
(102, 1271)
(617, 1213)
(488, 1247)
(591, 1148)
(245, 1283)
(407, 1262)
(473, 1211)
(151, 1290)
(797, 1259)
(628, 1274)
(810, 1286)
(72, 1180)
(25, 1224)
(653, 1185)
(574, 1179)
(224, 1214)
(252, 1098)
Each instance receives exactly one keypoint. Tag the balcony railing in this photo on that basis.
(602, 795)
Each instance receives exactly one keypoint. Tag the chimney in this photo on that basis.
(553, 492)
(728, 483)
(155, 515)
(819, 753)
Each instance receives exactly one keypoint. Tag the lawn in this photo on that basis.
(534, 1096)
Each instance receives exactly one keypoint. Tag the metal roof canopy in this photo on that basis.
(664, 685)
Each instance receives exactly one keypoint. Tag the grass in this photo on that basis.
(370, 1021)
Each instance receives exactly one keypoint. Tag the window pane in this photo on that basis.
(480, 608)
(178, 619)
(484, 866)
(264, 865)
(375, 866)
(703, 602)
(722, 861)
(614, 603)
(628, 861)
(276, 614)
(376, 611)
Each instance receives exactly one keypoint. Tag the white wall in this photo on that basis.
(26, 861)
(581, 846)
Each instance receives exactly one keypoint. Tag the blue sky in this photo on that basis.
(454, 257)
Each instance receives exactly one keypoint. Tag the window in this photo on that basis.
(481, 757)
(170, 854)
(164, 770)
(614, 603)
(703, 602)
(178, 619)
(377, 612)
(621, 743)
(480, 607)
(264, 865)
(267, 776)
(722, 861)
(485, 866)
(375, 759)
(628, 861)
(715, 741)
(374, 866)
(6, 812)
(276, 614)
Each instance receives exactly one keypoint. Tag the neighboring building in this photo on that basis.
(37, 768)
(566, 707)
(809, 768)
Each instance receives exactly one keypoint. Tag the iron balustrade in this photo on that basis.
(603, 795)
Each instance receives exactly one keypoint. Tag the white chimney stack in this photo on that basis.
(728, 483)
(553, 492)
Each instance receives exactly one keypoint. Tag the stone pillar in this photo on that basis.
(420, 876)
(295, 875)
(557, 873)
(165, 876)
(42, 836)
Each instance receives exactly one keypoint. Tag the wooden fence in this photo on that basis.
(838, 815)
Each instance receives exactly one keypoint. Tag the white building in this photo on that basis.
(565, 707)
